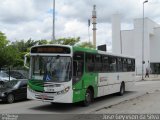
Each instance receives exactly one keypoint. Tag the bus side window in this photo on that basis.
(113, 64)
(119, 68)
(98, 63)
(129, 65)
(133, 64)
(90, 65)
(78, 66)
(125, 64)
(105, 66)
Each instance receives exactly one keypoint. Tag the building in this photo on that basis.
(129, 42)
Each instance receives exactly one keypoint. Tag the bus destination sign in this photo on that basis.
(51, 49)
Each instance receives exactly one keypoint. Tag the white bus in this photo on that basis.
(66, 74)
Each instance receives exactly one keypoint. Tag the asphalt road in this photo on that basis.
(38, 107)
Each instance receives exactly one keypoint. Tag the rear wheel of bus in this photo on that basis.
(122, 89)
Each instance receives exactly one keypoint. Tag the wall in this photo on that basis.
(155, 46)
(116, 27)
(127, 42)
(132, 41)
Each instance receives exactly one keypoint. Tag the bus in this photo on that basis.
(68, 74)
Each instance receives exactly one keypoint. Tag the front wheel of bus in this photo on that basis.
(122, 89)
(88, 98)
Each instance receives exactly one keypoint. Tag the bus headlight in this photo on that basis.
(63, 91)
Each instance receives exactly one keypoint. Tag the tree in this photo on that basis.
(86, 45)
(42, 42)
(66, 41)
(3, 40)
(8, 54)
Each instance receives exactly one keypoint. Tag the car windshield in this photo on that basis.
(3, 74)
(19, 74)
(51, 69)
(9, 84)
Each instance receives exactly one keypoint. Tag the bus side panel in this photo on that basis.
(78, 92)
(109, 83)
(90, 80)
(78, 95)
(79, 89)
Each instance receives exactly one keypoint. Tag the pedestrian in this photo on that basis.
(147, 73)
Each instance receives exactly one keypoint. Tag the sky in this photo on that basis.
(24, 19)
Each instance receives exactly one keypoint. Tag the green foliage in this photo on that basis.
(42, 42)
(23, 46)
(66, 41)
(86, 45)
(8, 53)
(12, 54)
(3, 40)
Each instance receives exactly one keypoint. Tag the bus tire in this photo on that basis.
(88, 98)
(122, 89)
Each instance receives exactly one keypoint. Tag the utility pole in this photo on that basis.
(143, 62)
(94, 22)
(53, 31)
(89, 22)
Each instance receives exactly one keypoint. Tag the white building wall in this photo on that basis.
(127, 42)
(116, 27)
(138, 44)
(138, 36)
(132, 41)
(155, 46)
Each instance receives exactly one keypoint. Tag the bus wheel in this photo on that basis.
(122, 89)
(88, 98)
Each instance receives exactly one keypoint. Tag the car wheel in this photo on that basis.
(88, 98)
(122, 89)
(10, 98)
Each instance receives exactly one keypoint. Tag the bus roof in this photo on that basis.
(50, 45)
(90, 50)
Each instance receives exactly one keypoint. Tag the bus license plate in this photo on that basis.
(49, 89)
(43, 96)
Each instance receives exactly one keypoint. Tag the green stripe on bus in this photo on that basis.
(36, 85)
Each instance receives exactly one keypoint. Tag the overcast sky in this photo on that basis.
(24, 19)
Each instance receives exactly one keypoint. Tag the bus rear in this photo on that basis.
(50, 74)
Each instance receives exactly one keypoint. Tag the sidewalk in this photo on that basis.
(146, 104)
(152, 77)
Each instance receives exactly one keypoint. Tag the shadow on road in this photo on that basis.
(16, 102)
(56, 107)
(69, 108)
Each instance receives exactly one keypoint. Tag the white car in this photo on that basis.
(5, 77)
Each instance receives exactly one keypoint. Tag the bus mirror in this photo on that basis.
(25, 61)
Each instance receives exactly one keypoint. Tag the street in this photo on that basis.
(100, 105)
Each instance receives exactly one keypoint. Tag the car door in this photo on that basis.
(23, 89)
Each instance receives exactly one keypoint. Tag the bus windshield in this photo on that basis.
(51, 68)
